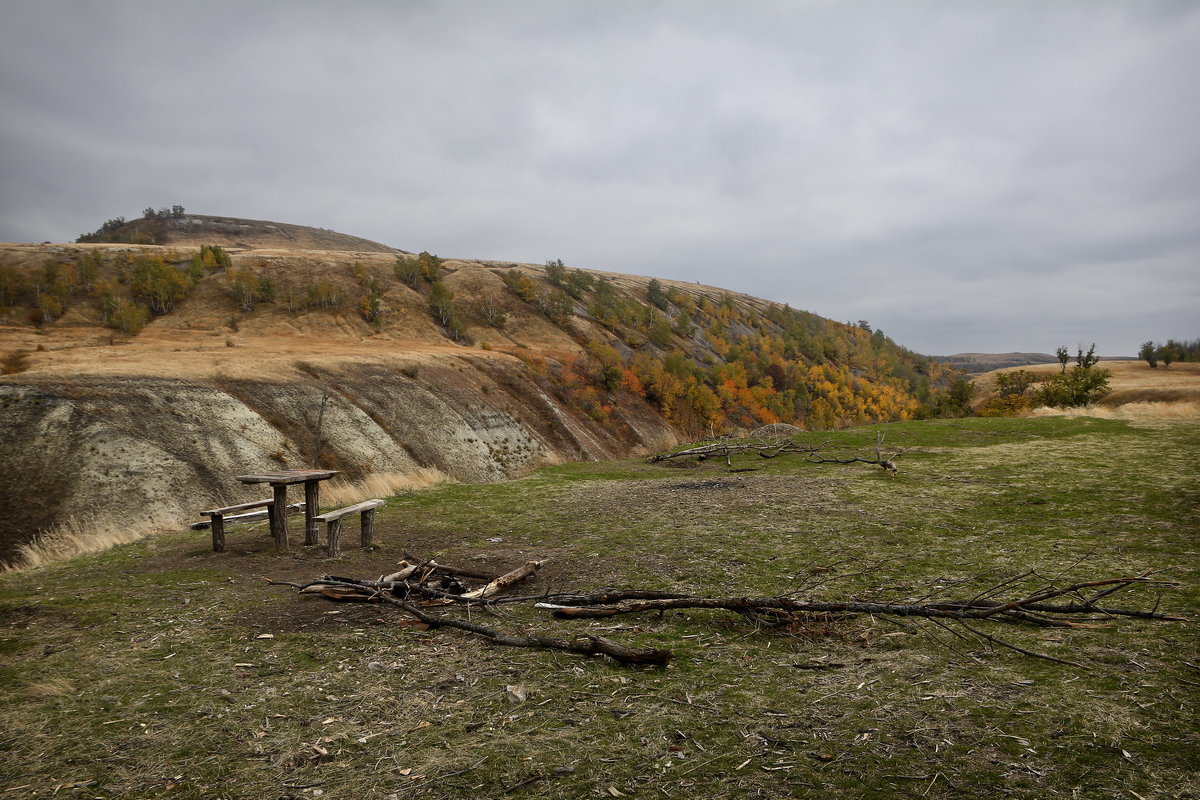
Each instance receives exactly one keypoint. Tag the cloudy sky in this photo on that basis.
(967, 176)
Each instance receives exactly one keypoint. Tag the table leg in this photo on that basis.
(312, 507)
(279, 521)
(218, 532)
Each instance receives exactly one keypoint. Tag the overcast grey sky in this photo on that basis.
(967, 176)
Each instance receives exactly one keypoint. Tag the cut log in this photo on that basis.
(504, 581)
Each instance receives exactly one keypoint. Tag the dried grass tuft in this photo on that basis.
(50, 687)
(1130, 411)
(379, 484)
(79, 536)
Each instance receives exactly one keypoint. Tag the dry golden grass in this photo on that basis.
(81, 535)
(50, 687)
(1128, 411)
(380, 484)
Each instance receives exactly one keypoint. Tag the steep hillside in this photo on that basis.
(142, 378)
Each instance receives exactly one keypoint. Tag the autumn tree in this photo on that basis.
(445, 312)
(430, 266)
(1149, 354)
(1168, 353)
(1087, 360)
(408, 270)
(1064, 356)
(656, 295)
(556, 273)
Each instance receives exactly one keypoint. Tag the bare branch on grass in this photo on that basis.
(420, 587)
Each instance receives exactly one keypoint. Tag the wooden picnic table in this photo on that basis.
(311, 478)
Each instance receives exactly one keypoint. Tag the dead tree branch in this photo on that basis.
(812, 453)
(728, 450)
(420, 586)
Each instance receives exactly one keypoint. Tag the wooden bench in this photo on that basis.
(220, 517)
(333, 523)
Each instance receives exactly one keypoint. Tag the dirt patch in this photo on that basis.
(709, 485)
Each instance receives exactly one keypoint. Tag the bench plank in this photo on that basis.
(330, 516)
(238, 507)
(252, 516)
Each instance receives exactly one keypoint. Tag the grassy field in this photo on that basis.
(161, 669)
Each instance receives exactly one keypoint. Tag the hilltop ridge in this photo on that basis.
(174, 226)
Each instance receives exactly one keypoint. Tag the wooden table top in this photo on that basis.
(284, 476)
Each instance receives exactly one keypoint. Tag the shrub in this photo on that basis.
(522, 285)
(491, 313)
(408, 271)
(160, 285)
(243, 286)
(322, 295)
(656, 295)
(577, 283)
(1079, 386)
(370, 305)
(15, 362)
(556, 273)
(444, 310)
(128, 316)
(557, 306)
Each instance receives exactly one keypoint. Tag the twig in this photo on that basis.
(1022, 650)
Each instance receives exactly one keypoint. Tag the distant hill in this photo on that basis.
(175, 227)
(977, 363)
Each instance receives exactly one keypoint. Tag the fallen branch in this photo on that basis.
(409, 589)
(588, 645)
(730, 449)
(504, 581)
(888, 463)
(812, 453)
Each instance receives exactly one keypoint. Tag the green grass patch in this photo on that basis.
(162, 669)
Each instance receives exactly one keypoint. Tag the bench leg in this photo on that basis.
(218, 532)
(368, 526)
(334, 533)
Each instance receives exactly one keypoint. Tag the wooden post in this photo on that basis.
(218, 531)
(368, 526)
(278, 517)
(312, 528)
(334, 527)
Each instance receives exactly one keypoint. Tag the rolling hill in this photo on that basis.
(143, 377)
